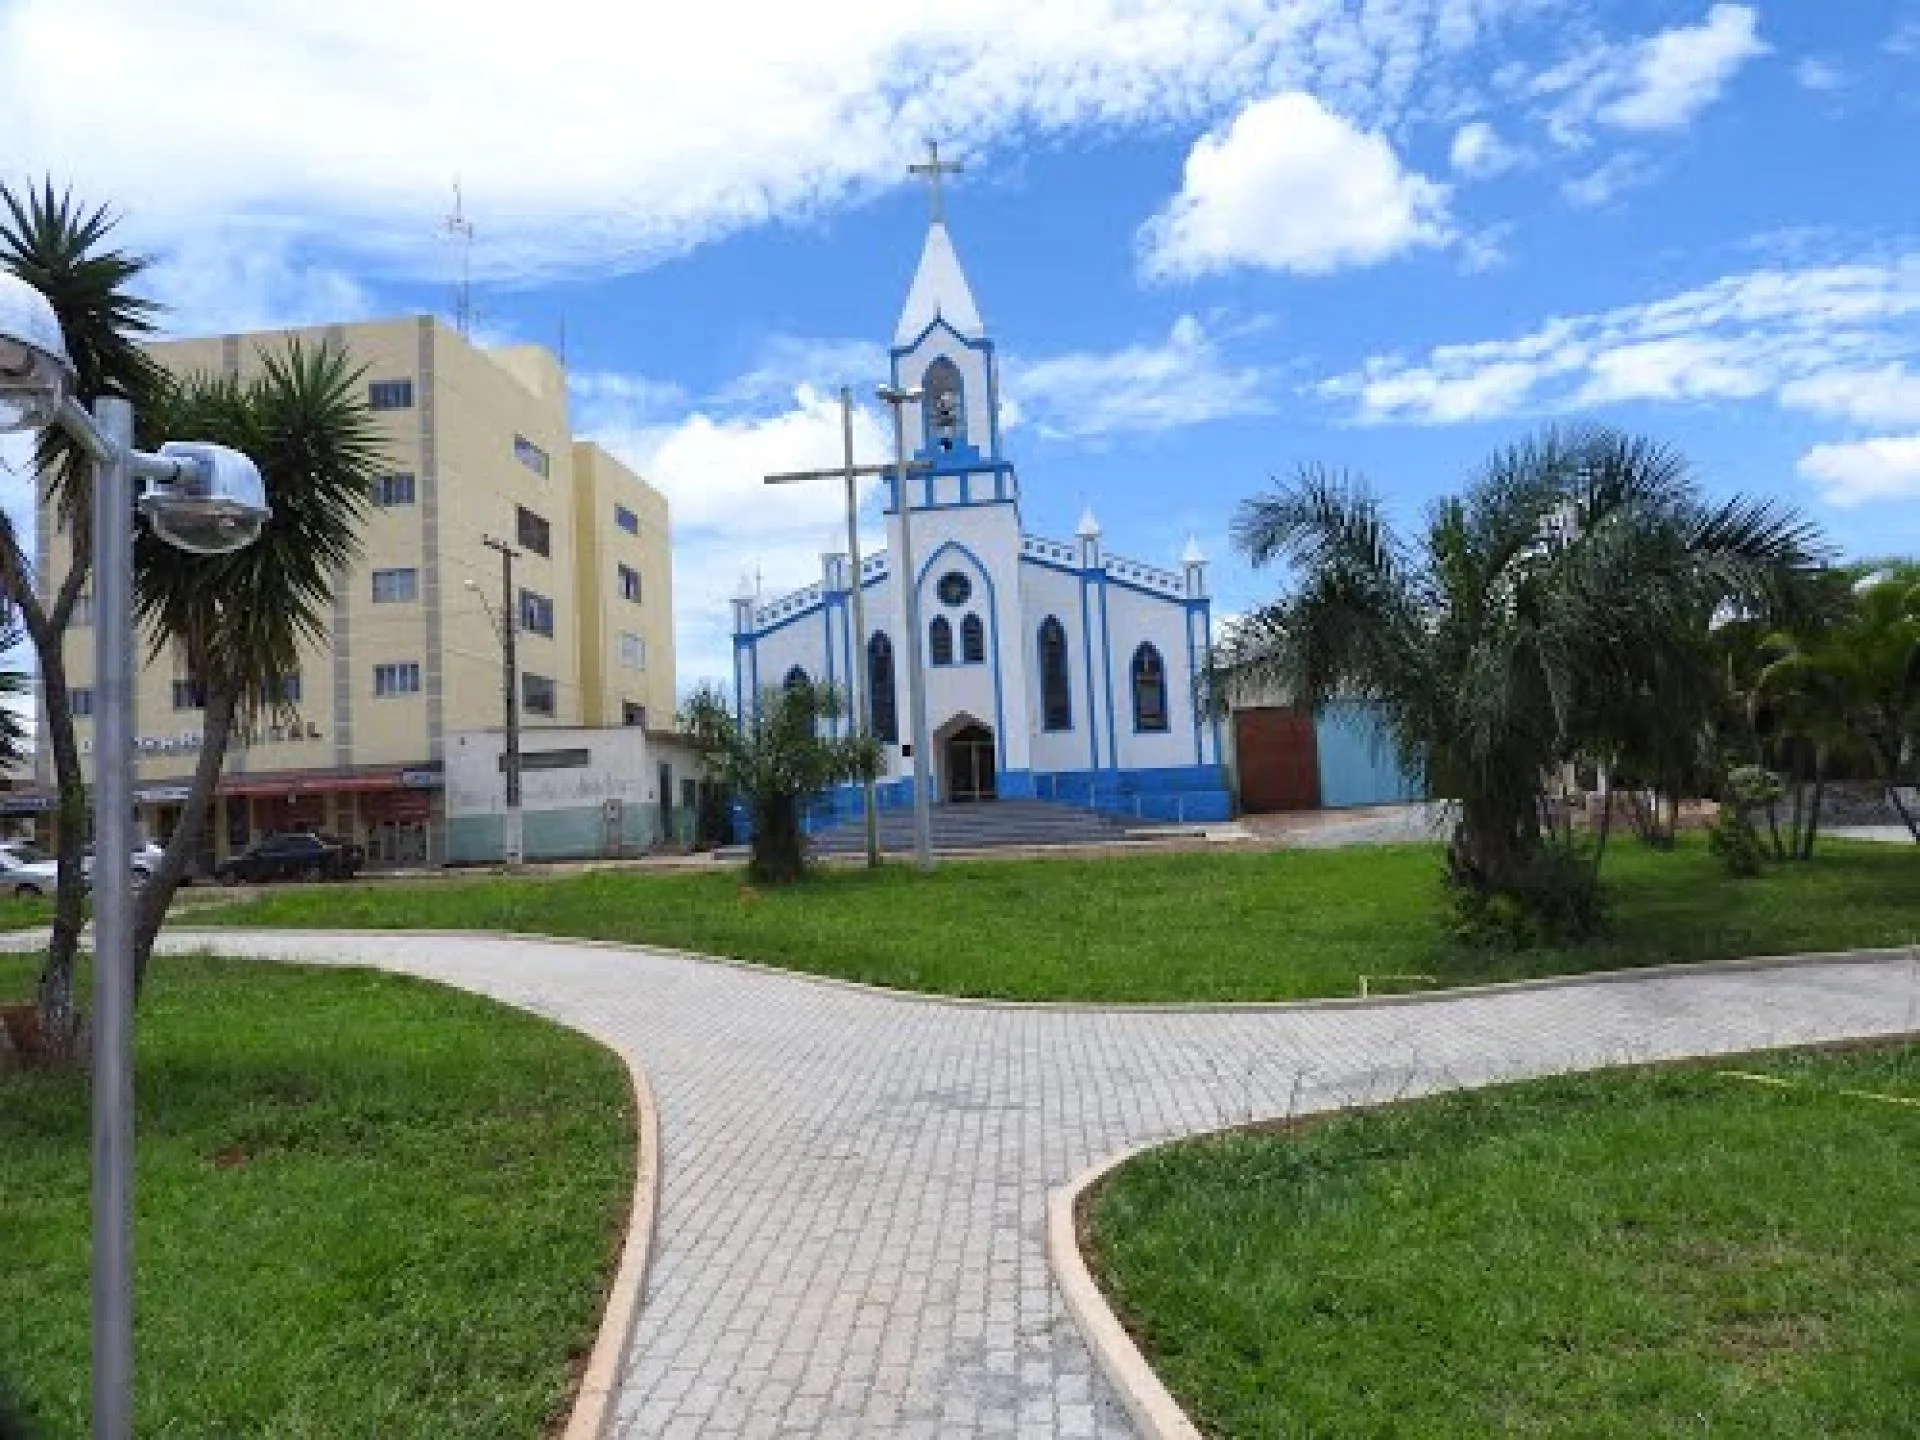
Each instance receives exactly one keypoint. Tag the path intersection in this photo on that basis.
(850, 1238)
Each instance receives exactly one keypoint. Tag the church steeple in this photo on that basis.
(939, 292)
(939, 286)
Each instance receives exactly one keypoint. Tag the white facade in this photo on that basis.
(1052, 669)
(601, 792)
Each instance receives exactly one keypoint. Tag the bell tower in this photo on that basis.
(941, 349)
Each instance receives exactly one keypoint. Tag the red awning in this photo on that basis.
(308, 784)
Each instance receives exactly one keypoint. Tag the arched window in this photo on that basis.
(973, 641)
(883, 705)
(1056, 692)
(946, 409)
(796, 677)
(940, 641)
(1149, 689)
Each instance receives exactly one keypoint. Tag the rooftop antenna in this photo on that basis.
(461, 230)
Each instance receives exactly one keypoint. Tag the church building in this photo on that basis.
(1053, 670)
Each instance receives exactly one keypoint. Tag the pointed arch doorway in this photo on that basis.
(967, 765)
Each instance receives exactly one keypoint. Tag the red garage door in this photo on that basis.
(1277, 759)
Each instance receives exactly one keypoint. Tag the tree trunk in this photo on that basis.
(779, 847)
(216, 732)
(55, 1012)
(1492, 850)
(1813, 811)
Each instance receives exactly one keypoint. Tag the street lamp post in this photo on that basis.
(202, 498)
(899, 399)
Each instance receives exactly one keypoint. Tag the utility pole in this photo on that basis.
(909, 582)
(861, 700)
(510, 688)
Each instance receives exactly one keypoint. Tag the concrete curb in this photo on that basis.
(1104, 1007)
(1148, 1401)
(593, 1403)
(1151, 1405)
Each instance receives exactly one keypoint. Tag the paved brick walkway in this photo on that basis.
(850, 1236)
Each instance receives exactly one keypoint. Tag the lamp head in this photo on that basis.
(36, 375)
(217, 506)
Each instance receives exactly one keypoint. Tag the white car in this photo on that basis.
(25, 872)
(146, 862)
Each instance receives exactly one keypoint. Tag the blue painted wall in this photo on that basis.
(1357, 764)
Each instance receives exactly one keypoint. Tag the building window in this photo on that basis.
(797, 679)
(289, 692)
(390, 395)
(536, 694)
(189, 694)
(940, 641)
(629, 584)
(633, 651)
(398, 679)
(396, 587)
(632, 714)
(80, 702)
(1149, 690)
(535, 534)
(1056, 692)
(536, 613)
(973, 641)
(626, 519)
(392, 490)
(883, 705)
(531, 456)
(954, 588)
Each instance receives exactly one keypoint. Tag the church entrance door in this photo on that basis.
(970, 774)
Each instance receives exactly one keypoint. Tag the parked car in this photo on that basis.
(292, 855)
(26, 872)
(146, 860)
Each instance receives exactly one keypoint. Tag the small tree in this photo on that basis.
(60, 247)
(241, 619)
(1539, 617)
(775, 761)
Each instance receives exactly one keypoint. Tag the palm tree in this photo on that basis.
(1573, 577)
(241, 619)
(1854, 682)
(775, 760)
(61, 248)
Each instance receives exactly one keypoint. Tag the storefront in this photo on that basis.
(394, 814)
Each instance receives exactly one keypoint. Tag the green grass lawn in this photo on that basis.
(1669, 1252)
(366, 1206)
(1267, 925)
(18, 914)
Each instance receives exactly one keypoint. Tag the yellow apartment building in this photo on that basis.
(478, 446)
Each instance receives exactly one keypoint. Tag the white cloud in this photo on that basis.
(1820, 76)
(1824, 339)
(1183, 380)
(597, 134)
(1659, 82)
(1479, 152)
(224, 281)
(1862, 471)
(1290, 185)
(1904, 42)
(1680, 72)
(1889, 395)
(1608, 181)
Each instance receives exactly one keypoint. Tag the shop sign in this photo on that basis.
(422, 779)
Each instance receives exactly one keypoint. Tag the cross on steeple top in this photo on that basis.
(933, 169)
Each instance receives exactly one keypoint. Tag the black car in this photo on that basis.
(292, 855)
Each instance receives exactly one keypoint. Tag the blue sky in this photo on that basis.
(1215, 238)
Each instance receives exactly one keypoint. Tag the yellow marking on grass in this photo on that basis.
(1785, 1084)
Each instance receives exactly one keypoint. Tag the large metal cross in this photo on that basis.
(861, 714)
(934, 169)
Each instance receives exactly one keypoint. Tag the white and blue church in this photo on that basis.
(1053, 670)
